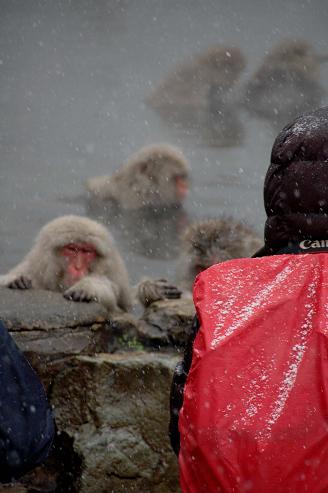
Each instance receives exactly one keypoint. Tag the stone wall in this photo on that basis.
(108, 380)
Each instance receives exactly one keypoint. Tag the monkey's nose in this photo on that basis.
(78, 263)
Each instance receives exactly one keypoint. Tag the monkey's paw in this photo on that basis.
(22, 282)
(151, 290)
(79, 295)
(167, 290)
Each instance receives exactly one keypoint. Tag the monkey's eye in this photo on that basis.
(198, 249)
(87, 250)
(72, 248)
(199, 268)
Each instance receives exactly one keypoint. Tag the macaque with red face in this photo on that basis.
(182, 187)
(155, 177)
(77, 257)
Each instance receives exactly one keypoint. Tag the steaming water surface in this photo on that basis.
(73, 78)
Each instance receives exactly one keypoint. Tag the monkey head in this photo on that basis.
(77, 257)
(215, 240)
(161, 175)
(222, 62)
(167, 172)
(182, 95)
(296, 55)
(156, 177)
(75, 247)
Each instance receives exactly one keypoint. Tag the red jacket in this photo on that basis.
(255, 407)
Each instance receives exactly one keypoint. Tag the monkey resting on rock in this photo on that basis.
(77, 256)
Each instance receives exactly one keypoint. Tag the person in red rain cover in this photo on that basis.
(249, 400)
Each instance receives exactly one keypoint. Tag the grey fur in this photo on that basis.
(188, 85)
(145, 180)
(108, 282)
(212, 241)
(150, 290)
(286, 83)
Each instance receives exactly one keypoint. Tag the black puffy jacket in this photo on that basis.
(296, 183)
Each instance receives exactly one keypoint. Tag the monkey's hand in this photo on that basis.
(94, 288)
(151, 290)
(73, 294)
(21, 282)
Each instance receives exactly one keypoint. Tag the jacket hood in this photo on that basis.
(296, 183)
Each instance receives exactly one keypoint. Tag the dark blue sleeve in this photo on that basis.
(177, 387)
(27, 425)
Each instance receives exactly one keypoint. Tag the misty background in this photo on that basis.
(74, 76)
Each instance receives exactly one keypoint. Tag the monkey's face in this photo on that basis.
(181, 187)
(77, 260)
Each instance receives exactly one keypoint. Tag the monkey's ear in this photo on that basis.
(145, 167)
(148, 166)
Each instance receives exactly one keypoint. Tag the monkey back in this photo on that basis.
(255, 408)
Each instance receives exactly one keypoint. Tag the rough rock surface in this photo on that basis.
(31, 309)
(118, 417)
(167, 323)
(110, 396)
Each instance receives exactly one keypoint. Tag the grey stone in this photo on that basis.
(112, 410)
(33, 309)
(167, 323)
(118, 416)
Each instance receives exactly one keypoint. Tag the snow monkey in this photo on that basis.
(186, 88)
(203, 244)
(286, 83)
(212, 241)
(76, 256)
(155, 177)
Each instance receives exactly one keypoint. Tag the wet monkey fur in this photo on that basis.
(77, 257)
(286, 83)
(211, 241)
(156, 176)
(204, 243)
(188, 84)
